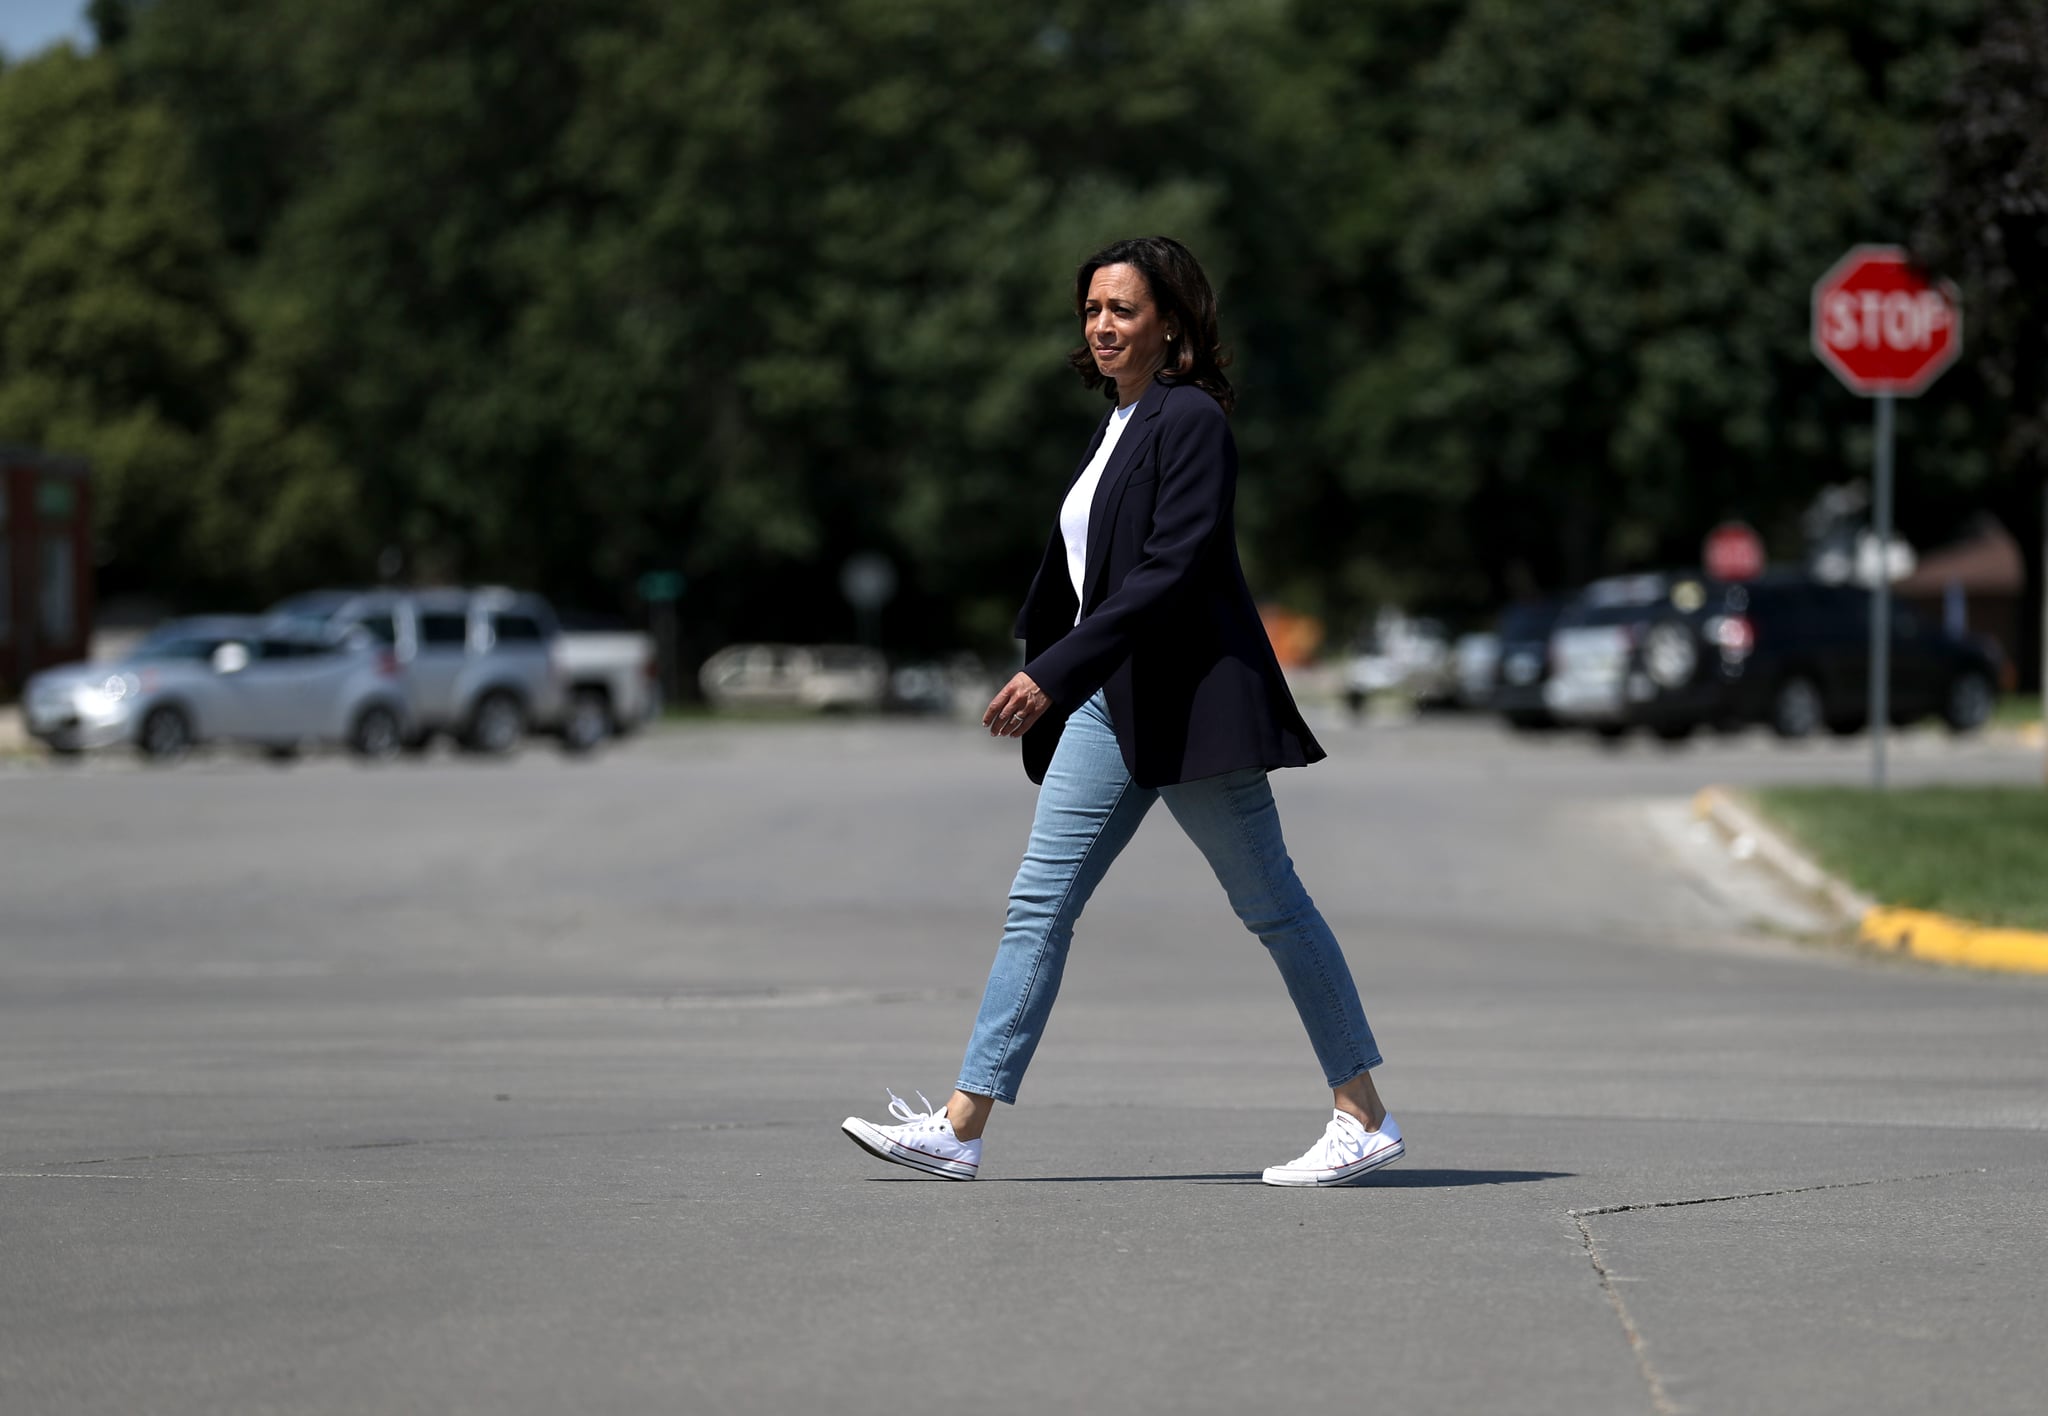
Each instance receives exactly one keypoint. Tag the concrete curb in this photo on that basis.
(1749, 838)
(1919, 934)
(1941, 939)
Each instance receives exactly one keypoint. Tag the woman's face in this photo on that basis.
(1124, 330)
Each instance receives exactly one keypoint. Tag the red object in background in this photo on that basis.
(1882, 325)
(1733, 552)
(46, 584)
(1295, 638)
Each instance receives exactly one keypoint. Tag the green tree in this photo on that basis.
(114, 344)
(1987, 223)
(1622, 212)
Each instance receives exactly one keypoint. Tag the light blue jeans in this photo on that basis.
(1088, 810)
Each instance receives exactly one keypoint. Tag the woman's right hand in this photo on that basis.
(1012, 712)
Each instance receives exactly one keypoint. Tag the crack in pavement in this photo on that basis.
(1660, 1400)
(1597, 1212)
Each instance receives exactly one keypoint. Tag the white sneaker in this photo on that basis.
(1346, 1151)
(925, 1141)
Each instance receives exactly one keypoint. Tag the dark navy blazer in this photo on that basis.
(1169, 632)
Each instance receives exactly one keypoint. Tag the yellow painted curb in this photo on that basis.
(1940, 939)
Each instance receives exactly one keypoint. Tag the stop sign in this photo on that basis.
(1882, 326)
(1733, 552)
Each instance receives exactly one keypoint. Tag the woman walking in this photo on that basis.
(1148, 677)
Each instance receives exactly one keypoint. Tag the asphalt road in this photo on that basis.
(515, 1088)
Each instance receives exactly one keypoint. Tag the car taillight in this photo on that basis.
(1735, 634)
(387, 663)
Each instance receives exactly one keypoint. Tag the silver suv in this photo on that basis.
(478, 663)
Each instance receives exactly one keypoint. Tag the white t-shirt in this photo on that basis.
(1074, 511)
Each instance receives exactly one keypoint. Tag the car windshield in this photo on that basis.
(1527, 621)
(310, 612)
(1622, 600)
(1596, 616)
(302, 620)
(176, 647)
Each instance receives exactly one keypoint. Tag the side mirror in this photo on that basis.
(231, 658)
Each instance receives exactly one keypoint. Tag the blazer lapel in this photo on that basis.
(1087, 457)
(1110, 490)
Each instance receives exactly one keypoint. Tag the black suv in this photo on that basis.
(1792, 653)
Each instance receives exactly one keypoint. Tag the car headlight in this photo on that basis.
(104, 699)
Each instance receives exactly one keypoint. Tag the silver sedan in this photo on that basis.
(224, 679)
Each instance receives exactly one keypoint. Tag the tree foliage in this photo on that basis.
(114, 342)
(1987, 223)
(560, 294)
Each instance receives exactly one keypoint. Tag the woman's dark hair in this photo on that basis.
(1181, 292)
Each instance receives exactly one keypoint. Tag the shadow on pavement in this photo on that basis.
(1379, 1180)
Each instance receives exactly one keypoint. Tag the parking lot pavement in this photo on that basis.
(515, 1088)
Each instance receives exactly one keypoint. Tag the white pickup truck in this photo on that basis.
(610, 679)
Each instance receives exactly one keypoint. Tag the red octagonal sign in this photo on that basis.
(1882, 325)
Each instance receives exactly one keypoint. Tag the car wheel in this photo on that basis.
(1670, 653)
(166, 736)
(588, 723)
(496, 725)
(1968, 706)
(1796, 709)
(376, 736)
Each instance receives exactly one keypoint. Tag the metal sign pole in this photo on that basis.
(1881, 597)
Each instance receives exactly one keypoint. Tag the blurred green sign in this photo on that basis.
(659, 586)
(56, 500)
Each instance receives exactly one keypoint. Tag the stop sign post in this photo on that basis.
(1888, 332)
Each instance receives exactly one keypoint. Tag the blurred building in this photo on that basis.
(1973, 586)
(45, 563)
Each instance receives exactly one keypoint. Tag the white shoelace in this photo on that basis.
(926, 1120)
(1338, 1147)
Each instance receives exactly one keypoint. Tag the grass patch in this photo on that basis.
(1980, 853)
(2017, 709)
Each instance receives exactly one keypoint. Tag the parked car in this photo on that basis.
(1400, 655)
(479, 663)
(1475, 660)
(959, 686)
(824, 677)
(1591, 641)
(611, 679)
(223, 679)
(1677, 652)
(1522, 665)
